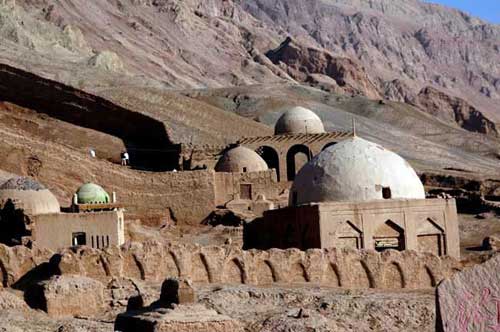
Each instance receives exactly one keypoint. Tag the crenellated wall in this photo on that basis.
(330, 267)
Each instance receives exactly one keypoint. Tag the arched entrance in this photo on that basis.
(271, 158)
(389, 235)
(297, 156)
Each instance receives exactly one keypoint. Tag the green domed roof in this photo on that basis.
(91, 193)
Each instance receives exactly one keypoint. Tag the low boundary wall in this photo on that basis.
(153, 262)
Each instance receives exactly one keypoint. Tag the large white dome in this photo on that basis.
(240, 160)
(355, 170)
(299, 120)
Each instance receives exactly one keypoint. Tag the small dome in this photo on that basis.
(91, 193)
(299, 120)
(29, 195)
(355, 170)
(240, 160)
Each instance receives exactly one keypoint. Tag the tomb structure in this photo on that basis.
(299, 134)
(240, 159)
(34, 215)
(357, 194)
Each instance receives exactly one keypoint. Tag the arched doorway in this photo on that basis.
(297, 156)
(389, 235)
(271, 158)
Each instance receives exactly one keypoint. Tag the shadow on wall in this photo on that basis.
(145, 138)
(12, 224)
(30, 282)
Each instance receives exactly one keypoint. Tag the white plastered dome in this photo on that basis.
(355, 170)
(239, 160)
(28, 195)
(299, 120)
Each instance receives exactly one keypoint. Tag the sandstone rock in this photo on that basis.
(9, 301)
(454, 109)
(298, 320)
(469, 299)
(303, 61)
(10, 329)
(177, 291)
(75, 40)
(485, 215)
(184, 318)
(492, 242)
(68, 295)
(107, 60)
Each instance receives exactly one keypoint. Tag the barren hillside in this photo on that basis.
(143, 74)
(379, 48)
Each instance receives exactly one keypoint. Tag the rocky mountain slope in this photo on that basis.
(417, 43)
(378, 48)
(143, 74)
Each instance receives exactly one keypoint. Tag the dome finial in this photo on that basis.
(353, 127)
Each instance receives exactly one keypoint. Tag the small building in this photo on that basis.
(243, 180)
(240, 159)
(359, 195)
(21, 198)
(94, 220)
(31, 213)
(299, 135)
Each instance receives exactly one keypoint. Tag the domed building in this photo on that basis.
(22, 199)
(93, 220)
(91, 193)
(240, 160)
(28, 195)
(299, 120)
(356, 170)
(299, 135)
(357, 194)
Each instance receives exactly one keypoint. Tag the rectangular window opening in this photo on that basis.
(79, 239)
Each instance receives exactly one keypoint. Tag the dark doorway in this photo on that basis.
(296, 158)
(271, 158)
(386, 193)
(246, 191)
(13, 223)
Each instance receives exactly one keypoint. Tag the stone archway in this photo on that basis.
(296, 157)
(271, 157)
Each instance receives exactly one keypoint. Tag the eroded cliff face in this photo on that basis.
(321, 68)
(455, 109)
(386, 48)
(417, 43)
